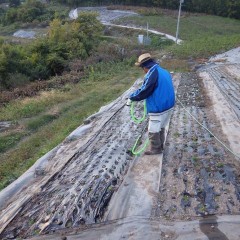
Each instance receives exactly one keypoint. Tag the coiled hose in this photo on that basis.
(137, 121)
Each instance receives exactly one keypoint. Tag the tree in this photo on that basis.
(14, 3)
(90, 29)
(233, 8)
(55, 63)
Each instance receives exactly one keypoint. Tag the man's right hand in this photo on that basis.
(129, 101)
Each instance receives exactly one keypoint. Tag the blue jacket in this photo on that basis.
(157, 89)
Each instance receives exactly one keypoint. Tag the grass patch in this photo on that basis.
(40, 121)
(206, 46)
(29, 107)
(9, 141)
(195, 160)
(203, 35)
(175, 64)
(128, 39)
(220, 165)
(176, 134)
(185, 198)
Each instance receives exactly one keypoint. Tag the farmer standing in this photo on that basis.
(158, 91)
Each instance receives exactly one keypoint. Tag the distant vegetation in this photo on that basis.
(50, 55)
(202, 35)
(27, 12)
(76, 47)
(225, 8)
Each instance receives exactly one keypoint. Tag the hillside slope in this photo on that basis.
(93, 171)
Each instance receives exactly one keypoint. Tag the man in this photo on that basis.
(158, 91)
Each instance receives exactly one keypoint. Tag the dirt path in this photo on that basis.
(222, 83)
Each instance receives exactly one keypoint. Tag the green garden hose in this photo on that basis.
(137, 121)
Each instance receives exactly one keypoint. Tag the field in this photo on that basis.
(37, 124)
(203, 35)
(93, 177)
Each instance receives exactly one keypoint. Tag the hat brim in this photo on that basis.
(138, 64)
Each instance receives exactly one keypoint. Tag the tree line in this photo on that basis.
(28, 11)
(225, 8)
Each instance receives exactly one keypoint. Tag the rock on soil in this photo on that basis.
(25, 34)
(5, 125)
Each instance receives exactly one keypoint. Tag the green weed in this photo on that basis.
(195, 160)
(9, 141)
(220, 165)
(38, 122)
(203, 209)
(185, 198)
(176, 134)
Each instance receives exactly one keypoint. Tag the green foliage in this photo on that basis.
(49, 56)
(11, 59)
(38, 122)
(159, 42)
(2, 12)
(55, 63)
(89, 28)
(17, 80)
(27, 12)
(202, 36)
(9, 141)
(102, 70)
(32, 12)
(225, 8)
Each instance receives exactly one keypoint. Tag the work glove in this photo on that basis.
(129, 101)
